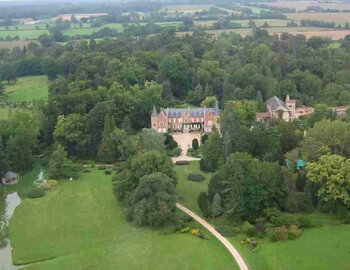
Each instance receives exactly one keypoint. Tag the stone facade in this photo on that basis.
(286, 110)
(203, 120)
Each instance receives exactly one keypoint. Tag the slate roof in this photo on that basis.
(10, 175)
(275, 102)
(193, 112)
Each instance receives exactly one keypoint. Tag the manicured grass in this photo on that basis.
(323, 247)
(189, 190)
(81, 225)
(28, 89)
(23, 34)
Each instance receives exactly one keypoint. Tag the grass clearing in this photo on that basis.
(81, 224)
(323, 247)
(338, 18)
(189, 190)
(28, 89)
(303, 5)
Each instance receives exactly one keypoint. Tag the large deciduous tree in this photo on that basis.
(332, 173)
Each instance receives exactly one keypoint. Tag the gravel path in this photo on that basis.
(242, 265)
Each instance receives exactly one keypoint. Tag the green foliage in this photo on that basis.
(203, 203)
(60, 166)
(153, 201)
(182, 162)
(196, 177)
(225, 230)
(150, 140)
(35, 193)
(195, 144)
(213, 156)
(216, 206)
(285, 219)
(279, 234)
(331, 172)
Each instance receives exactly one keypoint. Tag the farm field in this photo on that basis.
(271, 30)
(244, 23)
(23, 34)
(28, 89)
(302, 5)
(319, 248)
(13, 44)
(255, 10)
(338, 18)
(185, 8)
(80, 223)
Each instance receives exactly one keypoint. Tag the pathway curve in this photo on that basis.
(242, 265)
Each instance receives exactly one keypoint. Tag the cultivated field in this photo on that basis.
(28, 89)
(185, 8)
(338, 18)
(13, 44)
(81, 223)
(244, 23)
(306, 31)
(321, 247)
(302, 5)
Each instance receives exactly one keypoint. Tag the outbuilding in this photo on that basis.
(10, 178)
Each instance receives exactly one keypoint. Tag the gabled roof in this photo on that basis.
(193, 112)
(10, 174)
(274, 103)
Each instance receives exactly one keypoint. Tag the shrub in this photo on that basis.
(52, 183)
(182, 162)
(293, 232)
(101, 168)
(204, 138)
(271, 213)
(176, 152)
(196, 177)
(343, 214)
(203, 203)
(225, 230)
(86, 171)
(108, 172)
(251, 232)
(286, 220)
(35, 193)
(207, 165)
(195, 144)
(44, 186)
(305, 222)
(299, 202)
(279, 234)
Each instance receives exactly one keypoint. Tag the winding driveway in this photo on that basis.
(242, 265)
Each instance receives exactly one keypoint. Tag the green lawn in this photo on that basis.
(28, 89)
(323, 247)
(81, 225)
(189, 190)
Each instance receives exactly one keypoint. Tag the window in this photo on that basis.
(154, 124)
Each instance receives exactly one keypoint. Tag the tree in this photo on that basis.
(203, 203)
(106, 150)
(213, 156)
(209, 102)
(2, 88)
(216, 208)
(60, 166)
(153, 201)
(322, 111)
(151, 140)
(333, 134)
(195, 144)
(70, 132)
(198, 94)
(332, 172)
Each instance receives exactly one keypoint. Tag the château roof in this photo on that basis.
(274, 103)
(193, 112)
(10, 174)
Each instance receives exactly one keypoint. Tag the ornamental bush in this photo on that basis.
(195, 144)
(196, 177)
(286, 219)
(52, 183)
(279, 234)
(108, 172)
(35, 193)
(293, 232)
(225, 230)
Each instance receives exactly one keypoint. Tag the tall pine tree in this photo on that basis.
(105, 151)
